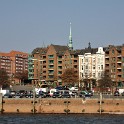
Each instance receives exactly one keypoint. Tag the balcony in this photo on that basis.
(30, 72)
(50, 56)
(119, 67)
(107, 61)
(50, 68)
(44, 62)
(107, 56)
(51, 63)
(107, 67)
(119, 73)
(59, 67)
(119, 61)
(51, 74)
(59, 62)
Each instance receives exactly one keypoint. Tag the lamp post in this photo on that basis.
(33, 110)
(33, 99)
(100, 103)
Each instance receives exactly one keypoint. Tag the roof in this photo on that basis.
(87, 50)
(119, 48)
(13, 53)
(39, 50)
(59, 48)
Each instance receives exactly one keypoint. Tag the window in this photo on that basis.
(51, 61)
(50, 56)
(123, 59)
(86, 60)
(94, 67)
(123, 75)
(98, 60)
(82, 74)
(102, 67)
(82, 67)
(113, 52)
(99, 75)
(59, 57)
(59, 62)
(59, 72)
(59, 67)
(82, 60)
(86, 66)
(93, 60)
(99, 67)
(94, 75)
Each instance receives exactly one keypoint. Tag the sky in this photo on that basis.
(28, 24)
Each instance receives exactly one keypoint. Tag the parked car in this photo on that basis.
(90, 92)
(122, 94)
(47, 94)
(56, 95)
(84, 94)
(52, 91)
(28, 95)
(22, 92)
(13, 93)
(66, 95)
(73, 93)
(116, 93)
(42, 94)
(8, 95)
(59, 88)
(73, 88)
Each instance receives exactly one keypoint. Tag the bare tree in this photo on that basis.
(105, 82)
(4, 79)
(69, 77)
(22, 76)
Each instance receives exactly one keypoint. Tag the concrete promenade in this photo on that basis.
(62, 105)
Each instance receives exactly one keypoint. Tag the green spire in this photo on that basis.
(70, 45)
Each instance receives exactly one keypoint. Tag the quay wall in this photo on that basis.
(61, 105)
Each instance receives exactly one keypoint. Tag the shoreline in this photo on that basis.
(62, 106)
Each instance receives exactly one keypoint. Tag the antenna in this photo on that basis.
(43, 45)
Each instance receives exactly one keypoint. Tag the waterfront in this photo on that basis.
(61, 119)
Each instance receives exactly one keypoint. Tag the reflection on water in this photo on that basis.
(60, 119)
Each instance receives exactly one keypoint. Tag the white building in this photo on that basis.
(91, 63)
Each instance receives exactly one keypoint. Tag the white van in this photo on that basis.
(44, 88)
(52, 91)
(73, 88)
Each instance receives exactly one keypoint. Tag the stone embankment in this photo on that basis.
(61, 105)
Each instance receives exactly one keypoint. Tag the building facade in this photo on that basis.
(14, 62)
(114, 63)
(91, 64)
(50, 63)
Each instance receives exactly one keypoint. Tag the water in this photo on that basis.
(60, 119)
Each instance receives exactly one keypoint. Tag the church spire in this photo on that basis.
(70, 45)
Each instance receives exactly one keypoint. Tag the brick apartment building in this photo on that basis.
(114, 63)
(50, 63)
(14, 62)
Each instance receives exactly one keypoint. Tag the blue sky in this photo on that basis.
(27, 24)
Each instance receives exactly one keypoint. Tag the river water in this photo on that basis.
(60, 119)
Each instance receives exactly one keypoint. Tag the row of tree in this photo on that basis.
(5, 80)
(69, 78)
